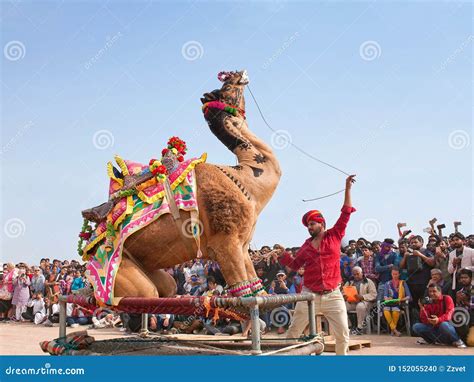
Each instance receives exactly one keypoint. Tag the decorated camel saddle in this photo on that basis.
(138, 195)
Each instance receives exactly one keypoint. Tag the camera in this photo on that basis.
(426, 300)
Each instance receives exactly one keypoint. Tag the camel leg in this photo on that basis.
(251, 274)
(231, 261)
(164, 283)
(131, 281)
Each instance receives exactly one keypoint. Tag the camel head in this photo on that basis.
(231, 94)
(232, 90)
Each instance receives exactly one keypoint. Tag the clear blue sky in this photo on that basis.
(380, 89)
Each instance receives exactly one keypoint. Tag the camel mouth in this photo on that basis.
(212, 96)
(244, 78)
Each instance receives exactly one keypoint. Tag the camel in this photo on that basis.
(230, 199)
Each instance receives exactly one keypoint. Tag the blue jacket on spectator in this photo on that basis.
(78, 283)
(382, 265)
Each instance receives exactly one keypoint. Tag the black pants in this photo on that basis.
(135, 322)
(28, 315)
(417, 292)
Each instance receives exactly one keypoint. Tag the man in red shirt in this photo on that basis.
(435, 317)
(320, 255)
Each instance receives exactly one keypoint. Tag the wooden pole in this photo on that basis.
(62, 318)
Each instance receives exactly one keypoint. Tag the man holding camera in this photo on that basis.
(461, 257)
(464, 301)
(435, 327)
(320, 256)
(418, 262)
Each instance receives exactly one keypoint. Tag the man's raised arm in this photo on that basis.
(340, 227)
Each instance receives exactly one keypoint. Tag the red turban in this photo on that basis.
(313, 215)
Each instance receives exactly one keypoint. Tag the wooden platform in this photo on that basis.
(330, 344)
(237, 341)
(204, 337)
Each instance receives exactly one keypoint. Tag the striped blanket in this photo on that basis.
(130, 215)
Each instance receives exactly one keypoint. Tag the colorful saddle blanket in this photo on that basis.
(130, 214)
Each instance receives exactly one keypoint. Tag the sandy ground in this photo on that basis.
(24, 339)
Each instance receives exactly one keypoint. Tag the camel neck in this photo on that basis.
(258, 169)
(254, 151)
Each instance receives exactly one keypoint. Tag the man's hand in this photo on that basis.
(275, 255)
(462, 298)
(420, 305)
(433, 320)
(349, 180)
(279, 249)
(439, 252)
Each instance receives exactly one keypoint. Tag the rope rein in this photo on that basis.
(312, 157)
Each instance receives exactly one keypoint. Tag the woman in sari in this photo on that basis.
(52, 289)
(21, 292)
(394, 289)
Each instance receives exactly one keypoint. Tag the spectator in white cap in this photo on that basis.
(360, 295)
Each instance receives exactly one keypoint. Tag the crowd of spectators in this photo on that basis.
(31, 293)
(429, 282)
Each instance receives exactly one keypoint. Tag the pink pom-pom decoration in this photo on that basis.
(223, 76)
